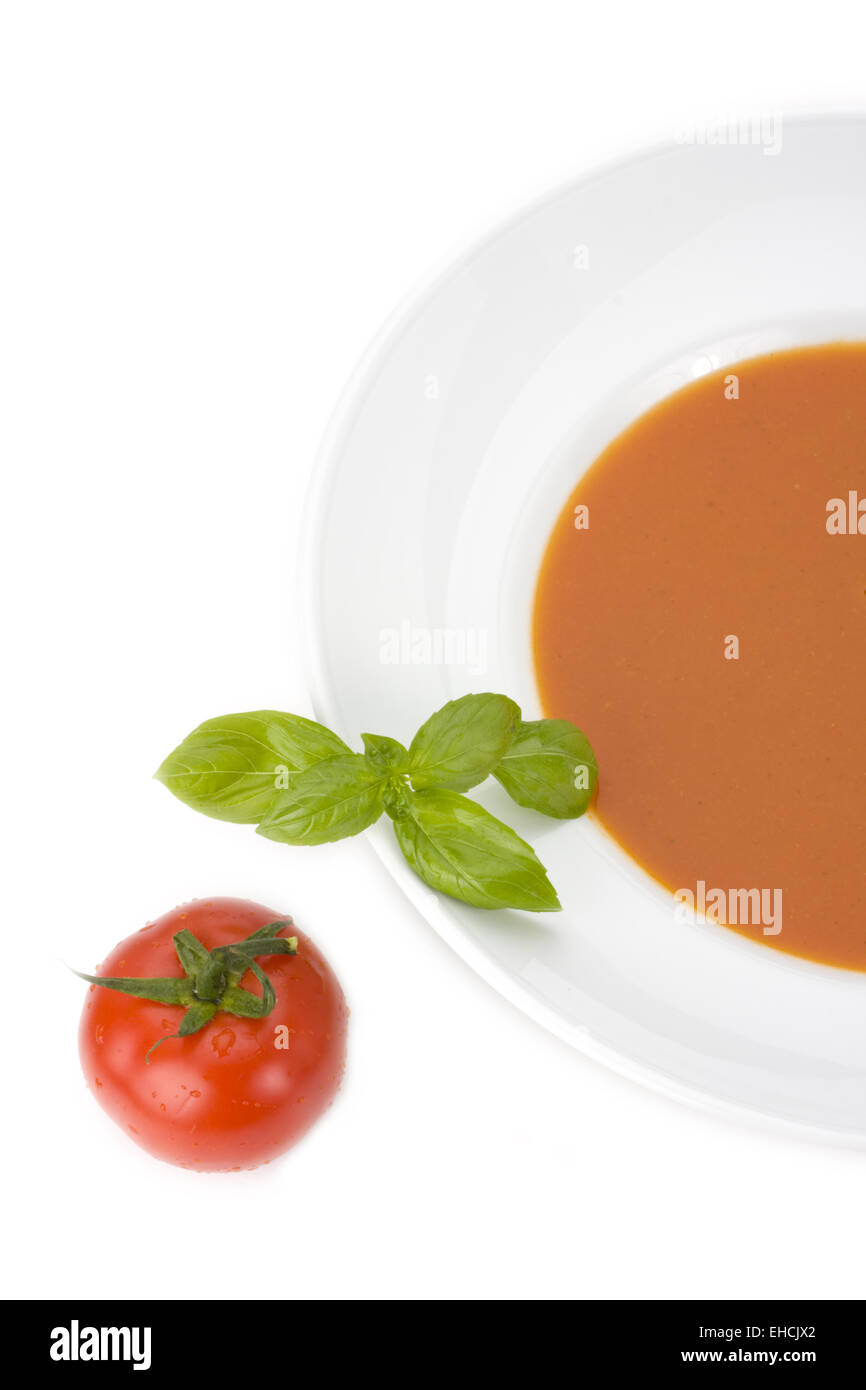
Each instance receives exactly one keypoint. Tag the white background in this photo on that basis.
(206, 210)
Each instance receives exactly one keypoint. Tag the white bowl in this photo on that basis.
(458, 441)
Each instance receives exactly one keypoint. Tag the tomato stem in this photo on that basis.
(210, 983)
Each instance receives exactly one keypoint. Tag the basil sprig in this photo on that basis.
(302, 785)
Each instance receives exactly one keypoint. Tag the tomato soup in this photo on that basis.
(701, 615)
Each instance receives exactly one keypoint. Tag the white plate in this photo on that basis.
(457, 443)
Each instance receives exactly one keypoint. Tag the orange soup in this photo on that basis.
(701, 614)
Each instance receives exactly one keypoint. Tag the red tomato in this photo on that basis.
(240, 1091)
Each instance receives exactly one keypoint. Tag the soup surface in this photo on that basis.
(704, 621)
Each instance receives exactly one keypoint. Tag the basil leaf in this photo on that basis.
(462, 742)
(232, 767)
(549, 767)
(460, 849)
(384, 754)
(329, 801)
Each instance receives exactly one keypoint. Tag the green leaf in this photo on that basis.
(190, 952)
(243, 1003)
(549, 767)
(197, 1016)
(268, 931)
(232, 767)
(384, 754)
(239, 952)
(331, 800)
(462, 742)
(172, 989)
(460, 849)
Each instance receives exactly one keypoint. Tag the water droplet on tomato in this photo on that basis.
(223, 1042)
